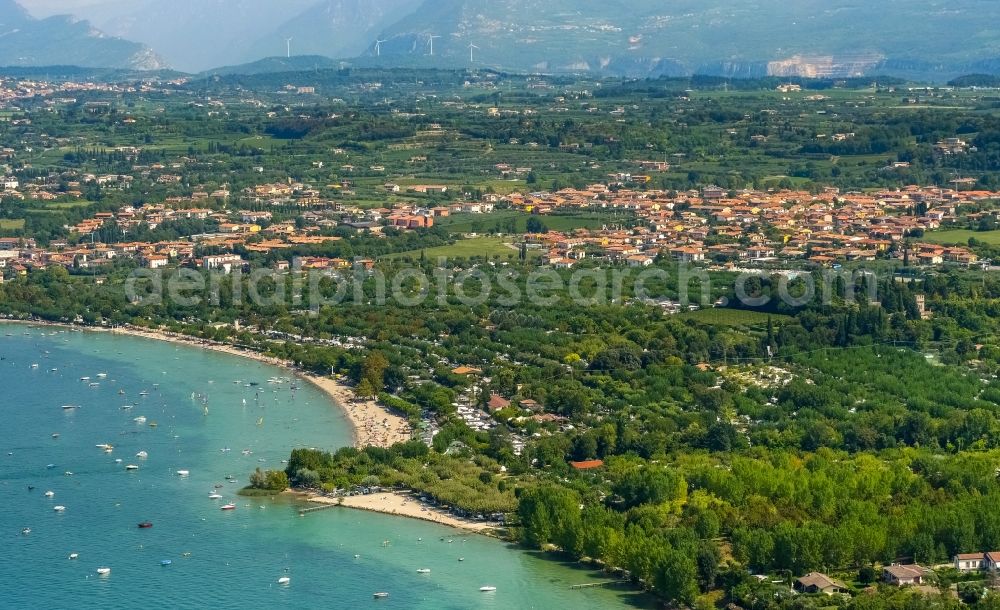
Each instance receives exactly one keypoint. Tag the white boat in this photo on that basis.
(70, 407)
(94, 384)
(34, 366)
(73, 555)
(103, 571)
(284, 580)
(102, 375)
(487, 589)
(424, 571)
(85, 379)
(105, 446)
(183, 473)
(131, 467)
(50, 494)
(144, 393)
(126, 407)
(214, 496)
(380, 595)
(119, 461)
(59, 509)
(55, 435)
(142, 454)
(228, 507)
(140, 420)
(25, 531)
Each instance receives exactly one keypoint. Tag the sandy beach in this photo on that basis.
(372, 424)
(404, 505)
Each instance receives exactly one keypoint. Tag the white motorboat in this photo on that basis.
(70, 407)
(284, 580)
(487, 589)
(50, 494)
(73, 555)
(105, 446)
(131, 467)
(140, 420)
(424, 571)
(183, 473)
(103, 571)
(142, 454)
(59, 509)
(102, 375)
(380, 595)
(214, 496)
(228, 507)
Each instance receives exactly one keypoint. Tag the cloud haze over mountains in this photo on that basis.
(920, 38)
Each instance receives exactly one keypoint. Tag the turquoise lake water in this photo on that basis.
(219, 559)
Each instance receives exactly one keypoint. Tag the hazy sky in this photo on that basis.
(44, 8)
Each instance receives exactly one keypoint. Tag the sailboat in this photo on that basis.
(260, 421)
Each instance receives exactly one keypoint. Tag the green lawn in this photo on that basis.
(494, 247)
(961, 237)
(498, 221)
(11, 224)
(733, 317)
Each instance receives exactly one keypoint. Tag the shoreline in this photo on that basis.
(371, 424)
(403, 504)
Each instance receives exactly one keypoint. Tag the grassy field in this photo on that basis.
(476, 223)
(11, 224)
(494, 247)
(961, 237)
(733, 317)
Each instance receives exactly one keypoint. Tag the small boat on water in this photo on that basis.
(121, 392)
(94, 384)
(70, 407)
(25, 531)
(380, 595)
(144, 393)
(424, 571)
(68, 473)
(103, 571)
(214, 496)
(165, 562)
(131, 467)
(102, 375)
(59, 509)
(140, 420)
(183, 473)
(55, 435)
(126, 407)
(85, 379)
(145, 525)
(487, 589)
(284, 580)
(228, 507)
(50, 466)
(142, 454)
(74, 555)
(105, 447)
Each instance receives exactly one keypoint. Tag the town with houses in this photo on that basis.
(710, 226)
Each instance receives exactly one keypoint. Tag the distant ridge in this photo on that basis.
(62, 39)
(271, 65)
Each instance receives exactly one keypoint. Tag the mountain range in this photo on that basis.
(934, 39)
(62, 39)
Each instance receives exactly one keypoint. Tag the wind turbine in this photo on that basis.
(430, 38)
(288, 47)
(378, 48)
(472, 49)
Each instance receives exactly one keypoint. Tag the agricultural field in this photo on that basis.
(962, 236)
